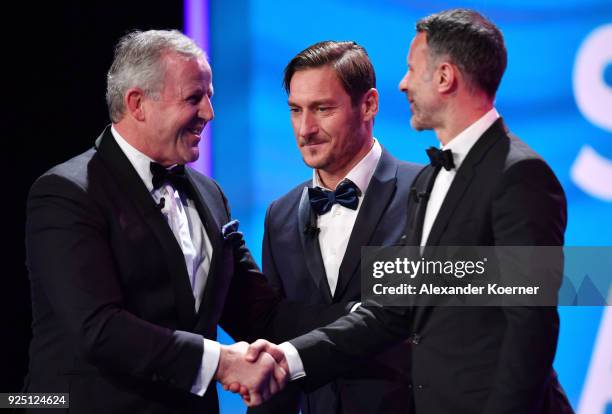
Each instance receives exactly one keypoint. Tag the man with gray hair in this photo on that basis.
(133, 259)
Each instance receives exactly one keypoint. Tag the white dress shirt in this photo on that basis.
(335, 228)
(185, 223)
(460, 146)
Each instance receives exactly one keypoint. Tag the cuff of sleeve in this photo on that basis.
(296, 368)
(210, 361)
(355, 307)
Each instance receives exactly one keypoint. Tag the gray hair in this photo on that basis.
(138, 63)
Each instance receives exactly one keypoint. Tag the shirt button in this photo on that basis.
(415, 339)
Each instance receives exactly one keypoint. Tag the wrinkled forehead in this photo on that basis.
(315, 83)
(182, 71)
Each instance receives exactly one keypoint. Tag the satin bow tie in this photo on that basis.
(346, 194)
(441, 158)
(175, 176)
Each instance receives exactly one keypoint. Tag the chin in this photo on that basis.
(416, 125)
(314, 162)
(190, 157)
(194, 158)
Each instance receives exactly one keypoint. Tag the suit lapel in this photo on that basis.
(213, 230)
(310, 244)
(128, 179)
(419, 195)
(379, 193)
(463, 179)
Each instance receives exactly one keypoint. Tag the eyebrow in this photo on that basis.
(315, 103)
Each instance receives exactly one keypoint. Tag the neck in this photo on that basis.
(331, 177)
(135, 138)
(460, 116)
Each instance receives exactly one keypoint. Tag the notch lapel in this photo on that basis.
(307, 220)
(417, 205)
(213, 230)
(379, 193)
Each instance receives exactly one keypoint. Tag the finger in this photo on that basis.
(244, 393)
(280, 376)
(273, 386)
(265, 390)
(276, 353)
(254, 399)
(233, 387)
(249, 403)
(255, 349)
(262, 386)
(260, 390)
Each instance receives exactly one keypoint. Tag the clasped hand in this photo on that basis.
(256, 371)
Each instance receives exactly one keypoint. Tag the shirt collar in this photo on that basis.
(360, 174)
(140, 162)
(463, 143)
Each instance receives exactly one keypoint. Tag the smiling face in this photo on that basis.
(419, 86)
(176, 116)
(332, 134)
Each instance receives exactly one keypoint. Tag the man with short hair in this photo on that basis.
(133, 260)
(357, 196)
(484, 188)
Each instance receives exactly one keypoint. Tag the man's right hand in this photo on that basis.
(253, 352)
(260, 346)
(257, 378)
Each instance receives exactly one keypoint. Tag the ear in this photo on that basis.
(134, 103)
(446, 77)
(369, 104)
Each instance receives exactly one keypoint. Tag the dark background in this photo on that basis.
(54, 61)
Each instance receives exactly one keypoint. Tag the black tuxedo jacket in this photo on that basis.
(114, 322)
(293, 264)
(468, 360)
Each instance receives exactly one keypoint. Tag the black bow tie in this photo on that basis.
(346, 194)
(175, 176)
(441, 158)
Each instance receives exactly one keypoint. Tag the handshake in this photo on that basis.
(256, 371)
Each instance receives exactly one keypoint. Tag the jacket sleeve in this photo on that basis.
(329, 351)
(529, 209)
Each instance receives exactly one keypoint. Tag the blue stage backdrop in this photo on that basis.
(556, 95)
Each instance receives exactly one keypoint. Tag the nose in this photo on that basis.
(403, 84)
(206, 111)
(307, 124)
